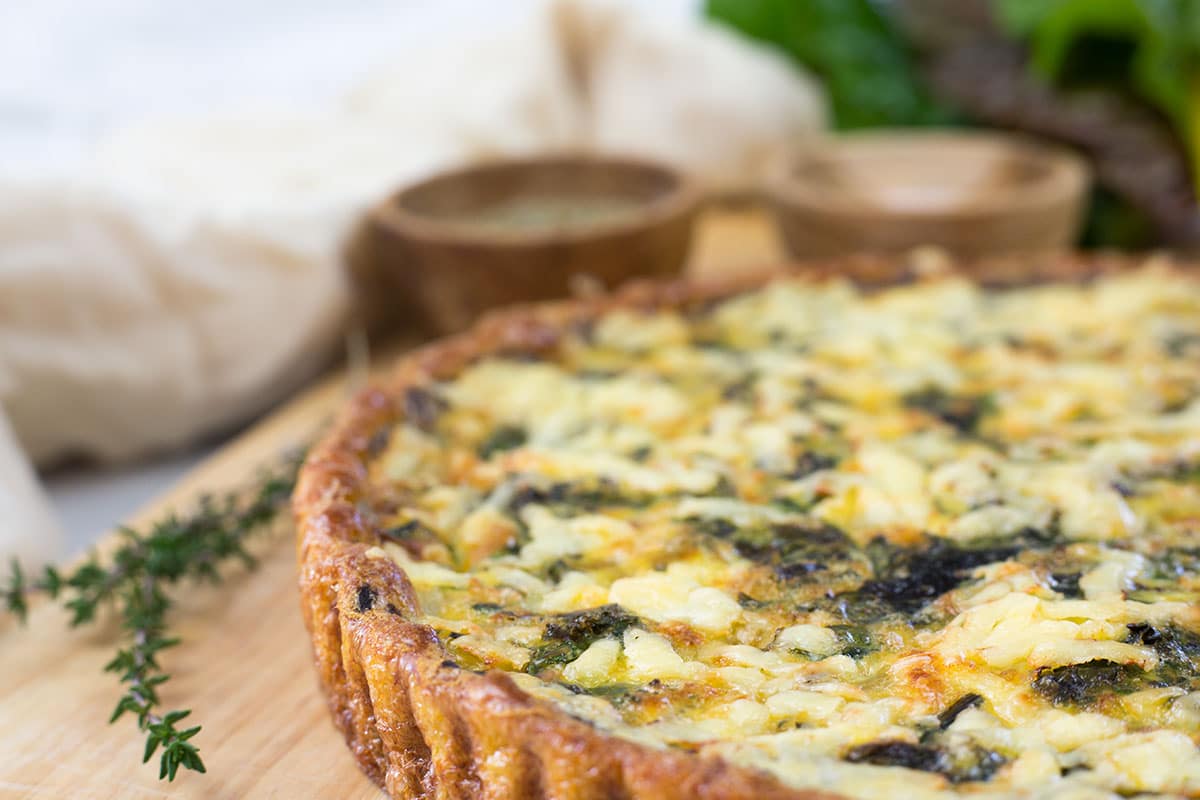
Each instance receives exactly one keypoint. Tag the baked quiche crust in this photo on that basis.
(417, 721)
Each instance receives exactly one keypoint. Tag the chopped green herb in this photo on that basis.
(572, 497)
(1182, 344)
(950, 713)
(1066, 584)
(486, 608)
(619, 694)
(504, 437)
(961, 412)
(412, 530)
(751, 604)
(810, 462)
(423, 407)
(740, 390)
(855, 641)
(642, 453)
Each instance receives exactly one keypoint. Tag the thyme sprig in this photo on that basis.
(134, 581)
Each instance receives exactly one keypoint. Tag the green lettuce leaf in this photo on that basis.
(1070, 38)
(866, 67)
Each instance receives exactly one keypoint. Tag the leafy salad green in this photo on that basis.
(868, 71)
(1155, 44)
(1117, 80)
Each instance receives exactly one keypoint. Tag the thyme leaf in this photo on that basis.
(134, 580)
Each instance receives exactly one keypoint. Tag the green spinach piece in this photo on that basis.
(913, 577)
(568, 498)
(855, 641)
(795, 550)
(1085, 684)
(568, 635)
(961, 412)
(504, 437)
(957, 764)
(1178, 651)
(423, 406)
(948, 715)
(618, 694)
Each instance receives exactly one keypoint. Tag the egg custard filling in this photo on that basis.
(935, 534)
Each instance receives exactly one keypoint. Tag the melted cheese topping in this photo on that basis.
(935, 534)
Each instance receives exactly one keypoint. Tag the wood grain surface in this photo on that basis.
(244, 667)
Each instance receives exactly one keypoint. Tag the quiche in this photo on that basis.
(863, 531)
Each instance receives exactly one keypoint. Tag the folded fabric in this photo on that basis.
(686, 92)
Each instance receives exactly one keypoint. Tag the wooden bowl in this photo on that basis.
(459, 243)
(974, 194)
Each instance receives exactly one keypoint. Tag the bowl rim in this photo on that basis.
(1064, 181)
(681, 196)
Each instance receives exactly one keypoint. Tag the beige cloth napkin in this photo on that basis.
(190, 276)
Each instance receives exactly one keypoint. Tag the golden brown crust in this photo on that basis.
(418, 724)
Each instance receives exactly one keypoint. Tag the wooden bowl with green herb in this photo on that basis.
(465, 241)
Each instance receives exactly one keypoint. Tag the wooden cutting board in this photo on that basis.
(244, 667)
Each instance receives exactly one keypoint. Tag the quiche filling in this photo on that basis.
(934, 534)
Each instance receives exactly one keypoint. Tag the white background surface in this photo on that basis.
(71, 70)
